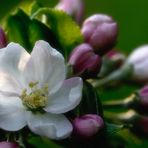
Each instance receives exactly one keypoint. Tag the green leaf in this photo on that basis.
(35, 7)
(66, 31)
(17, 26)
(90, 101)
(40, 142)
(38, 31)
(26, 32)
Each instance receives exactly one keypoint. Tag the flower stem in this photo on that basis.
(127, 117)
(124, 103)
(123, 73)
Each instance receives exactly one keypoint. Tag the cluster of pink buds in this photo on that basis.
(100, 35)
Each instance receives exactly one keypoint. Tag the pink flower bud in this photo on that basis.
(87, 125)
(84, 61)
(3, 41)
(113, 60)
(143, 97)
(74, 8)
(101, 32)
(117, 57)
(6, 144)
(139, 59)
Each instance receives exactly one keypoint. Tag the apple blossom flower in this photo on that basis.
(101, 32)
(139, 60)
(3, 40)
(74, 8)
(5, 144)
(34, 92)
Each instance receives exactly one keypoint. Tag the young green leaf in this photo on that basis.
(26, 32)
(66, 31)
(17, 26)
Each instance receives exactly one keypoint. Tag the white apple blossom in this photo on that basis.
(34, 92)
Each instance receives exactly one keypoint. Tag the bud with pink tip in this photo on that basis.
(111, 61)
(115, 55)
(143, 99)
(84, 61)
(6, 144)
(101, 32)
(87, 125)
(74, 8)
(3, 41)
(139, 60)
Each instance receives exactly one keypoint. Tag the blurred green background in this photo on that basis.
(131, 15)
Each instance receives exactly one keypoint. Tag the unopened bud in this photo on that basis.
(139, 60)
(87, 125)
(101, 32)
(6, 144)
(116, 56)
(74, 8)
(84, 61)
(111, 61)
(3, 41)
(142, 97)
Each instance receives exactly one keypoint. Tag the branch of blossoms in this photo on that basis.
(42, 94)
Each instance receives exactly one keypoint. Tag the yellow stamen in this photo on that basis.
(37, 99)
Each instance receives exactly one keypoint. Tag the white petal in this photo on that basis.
(139, 59)
(67, 98)
(9, 84)
(46, 65)
(140, 70)
(139, 55)
(12, 60)
(49, 125)
(11, 113)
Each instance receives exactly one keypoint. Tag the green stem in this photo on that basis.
(20, 141)
(123, 73)
(127, 117)
(126, 103)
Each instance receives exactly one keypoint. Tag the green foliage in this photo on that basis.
(17, 26)
(40, 142)
(26, 32)
(90, 103)
(64, 28)
(62, 33)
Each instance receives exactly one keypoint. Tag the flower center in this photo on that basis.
(37, 98)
